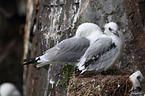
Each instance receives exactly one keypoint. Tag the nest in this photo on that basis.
(103, 85)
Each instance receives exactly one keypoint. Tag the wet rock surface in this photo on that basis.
(136, 23)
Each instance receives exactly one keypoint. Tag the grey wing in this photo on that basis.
(98, 47)
(100, 54)
(69, 50)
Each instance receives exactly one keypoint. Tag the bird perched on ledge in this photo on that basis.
(136, 79)
(104, 52)
(69, 50)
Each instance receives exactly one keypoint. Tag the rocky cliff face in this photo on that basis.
(136, 21)
(58, 19)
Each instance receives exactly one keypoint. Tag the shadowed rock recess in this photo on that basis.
(55, 20)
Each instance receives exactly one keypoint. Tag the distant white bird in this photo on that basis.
(69, 50)
(104, 52)
(9, 89)
(136, 78)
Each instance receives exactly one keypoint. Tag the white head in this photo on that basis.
(136, 78)
(111, 28)
(87, 29)
(8, 89)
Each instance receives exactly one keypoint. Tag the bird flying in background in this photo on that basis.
(69, 50)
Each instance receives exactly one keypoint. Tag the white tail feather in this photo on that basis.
(81, 64)
(41, 64)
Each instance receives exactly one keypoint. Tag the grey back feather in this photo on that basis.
(69, 50)
(103, 51)
(98, 47)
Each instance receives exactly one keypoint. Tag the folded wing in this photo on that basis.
(99, 56)
(69, 50)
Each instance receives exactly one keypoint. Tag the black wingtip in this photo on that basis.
(29, 61)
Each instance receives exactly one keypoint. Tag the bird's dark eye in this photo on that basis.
(110, 29)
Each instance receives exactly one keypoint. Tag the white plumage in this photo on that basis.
(69, 50)
(9, 89)
(89, 30)
(104, 52)
(136, 78)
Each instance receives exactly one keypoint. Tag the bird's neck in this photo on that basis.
(108, 33)
(118, 40)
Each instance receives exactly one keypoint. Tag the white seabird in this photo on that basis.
(136, 79)
(69, 50)
(104, 52)
(9, 89)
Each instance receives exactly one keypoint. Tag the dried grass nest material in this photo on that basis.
(103, 85)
